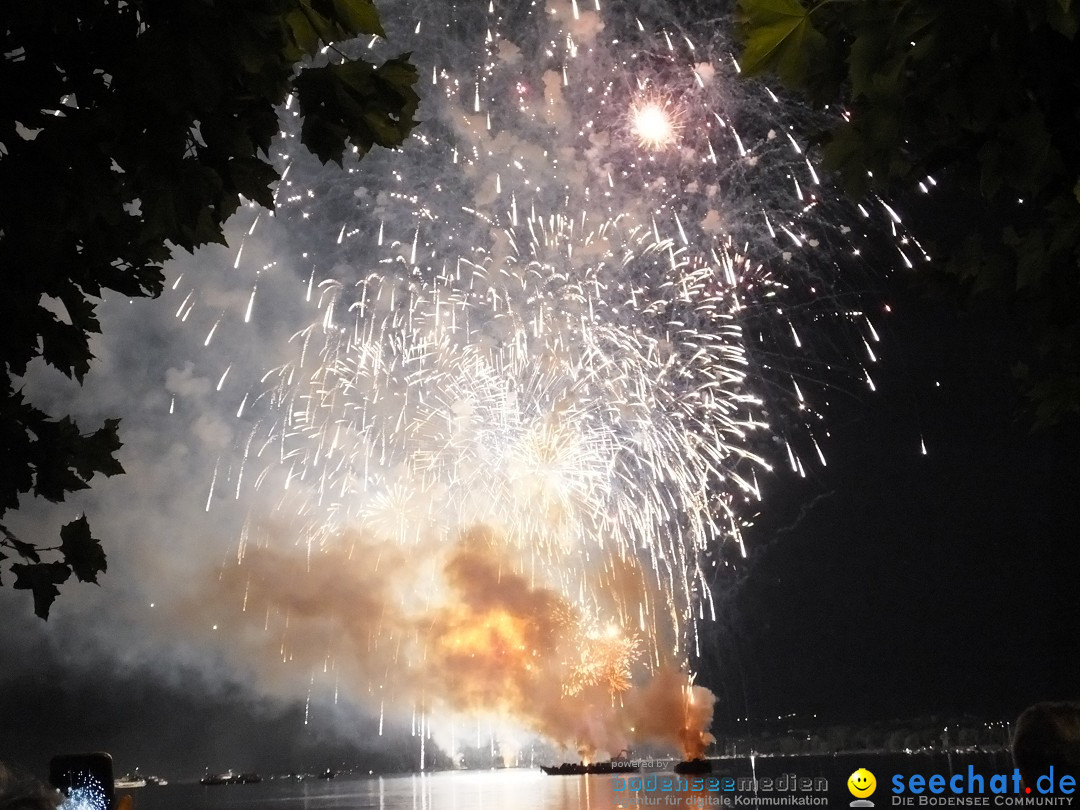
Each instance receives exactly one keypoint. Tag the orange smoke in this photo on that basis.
(671, 710)
(489, 647)
(456, 630)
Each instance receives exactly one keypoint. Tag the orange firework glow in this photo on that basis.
(607, 657)
(480, 639)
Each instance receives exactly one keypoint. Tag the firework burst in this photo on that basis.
(577, 313)
(529, 393)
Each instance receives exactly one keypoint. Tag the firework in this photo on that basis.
(653, 126)
(526, 395)
(606, 657)
(576, 312)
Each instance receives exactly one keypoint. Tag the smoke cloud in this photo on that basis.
(449, 632)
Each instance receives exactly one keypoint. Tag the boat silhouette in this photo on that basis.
(579, 768)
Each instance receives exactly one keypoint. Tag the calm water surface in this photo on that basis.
(530, 789)
(509, 789)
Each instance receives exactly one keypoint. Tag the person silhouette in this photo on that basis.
(1047, 736)
(21, 791)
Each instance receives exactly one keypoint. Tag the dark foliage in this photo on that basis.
(983, 96)
(133, 128)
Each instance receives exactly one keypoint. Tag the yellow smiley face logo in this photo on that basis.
(861, 783)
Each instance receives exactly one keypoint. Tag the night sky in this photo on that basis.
(892, 584)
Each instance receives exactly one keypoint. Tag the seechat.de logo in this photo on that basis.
(862, 785)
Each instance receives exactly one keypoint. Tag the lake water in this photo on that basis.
(530, 789)
(510, 789)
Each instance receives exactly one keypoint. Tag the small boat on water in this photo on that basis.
(329, 773)
(230, 778)
(226, 778)
(579, 768)
(129, 781)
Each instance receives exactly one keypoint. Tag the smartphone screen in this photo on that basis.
(86, 780)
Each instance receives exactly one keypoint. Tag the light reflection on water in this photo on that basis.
(509, 789)
(520, 789)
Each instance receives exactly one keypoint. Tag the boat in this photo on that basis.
(693, 766)
(128, 781)
(226, 778)
(579, 768)
(329, 773)
(156, 780)
(250, 778)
